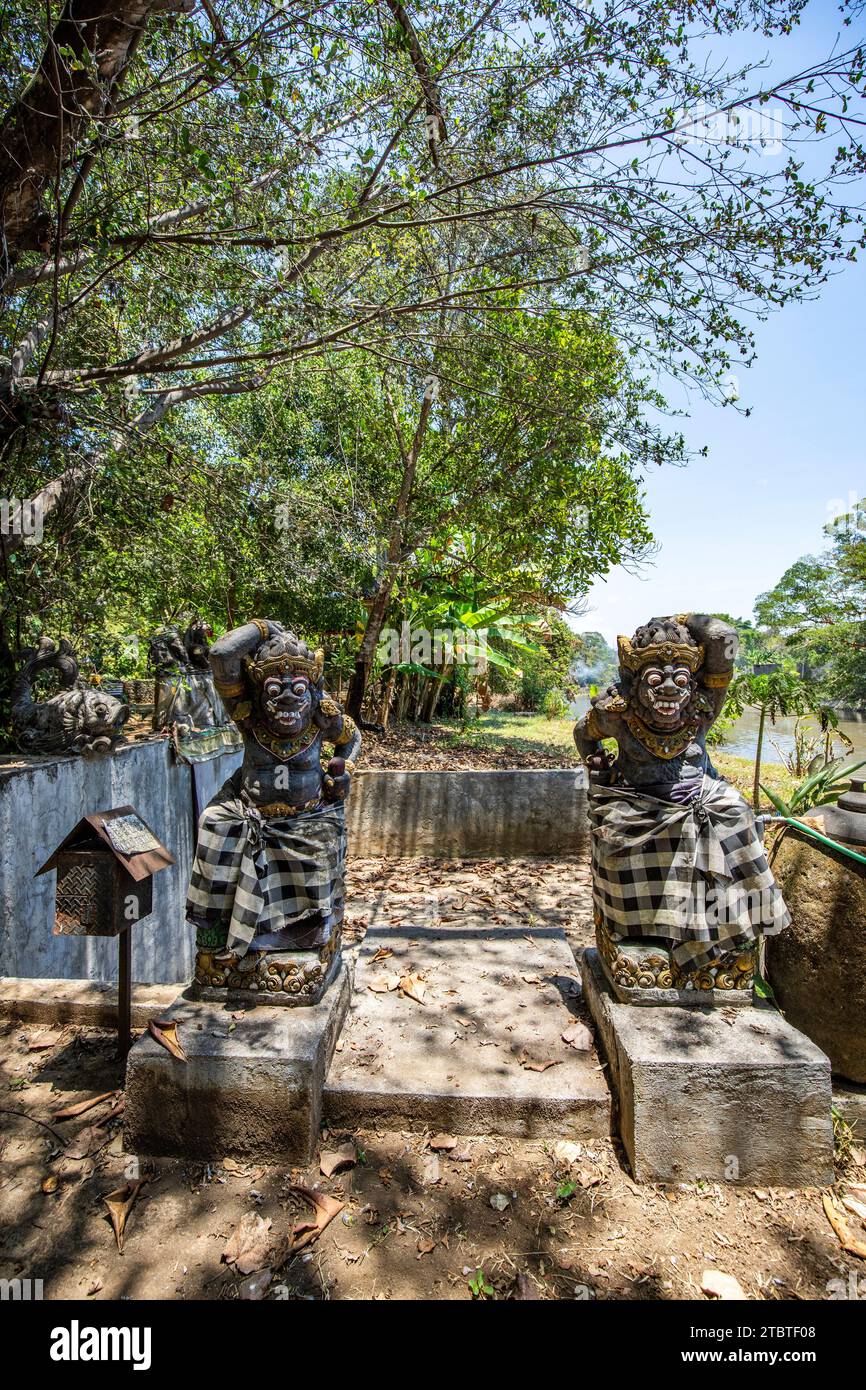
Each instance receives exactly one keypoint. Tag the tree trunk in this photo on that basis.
(387, 698)
(367, 652)
(87, 52)
(395, 561)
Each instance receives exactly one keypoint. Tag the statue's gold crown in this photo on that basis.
(658, 654)
(287, 664)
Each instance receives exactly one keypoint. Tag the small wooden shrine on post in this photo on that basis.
(105, 868)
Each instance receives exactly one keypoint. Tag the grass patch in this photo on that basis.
(526, 732)
(741, 772)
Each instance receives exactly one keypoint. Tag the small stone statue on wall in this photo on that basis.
(185, 694)
(267, 883)
(681, 885)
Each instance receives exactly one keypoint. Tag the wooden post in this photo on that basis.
(124, 992)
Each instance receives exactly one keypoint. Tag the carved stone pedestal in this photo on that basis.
(289, 978)
(643, 971)
(251, 1087)
(728, 1095)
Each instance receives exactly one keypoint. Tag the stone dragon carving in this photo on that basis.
(78, 718)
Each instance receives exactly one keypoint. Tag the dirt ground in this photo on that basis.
(498, 741)
(422, 1216)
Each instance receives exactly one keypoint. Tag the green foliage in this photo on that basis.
(774, 695)
(819, 789)
(818, 610)
(479, 1286)
(594, 663)
(554, 705)
(239, 282)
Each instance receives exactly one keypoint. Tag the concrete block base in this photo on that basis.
(495, 999)
(252, 1092)
(728, 1095)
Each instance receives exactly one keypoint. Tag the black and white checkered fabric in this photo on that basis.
(695, 874)
(264, 875)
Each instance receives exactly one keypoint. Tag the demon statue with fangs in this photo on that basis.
(681, 886)
(266, 893)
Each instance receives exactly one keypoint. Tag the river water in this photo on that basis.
(742, 737)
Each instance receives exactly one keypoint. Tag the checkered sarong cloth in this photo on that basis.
(264, 875)
(695, 874)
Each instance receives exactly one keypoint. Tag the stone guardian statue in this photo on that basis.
(681, 886)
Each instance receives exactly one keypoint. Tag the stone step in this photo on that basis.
(86, 1003)
(493, 993)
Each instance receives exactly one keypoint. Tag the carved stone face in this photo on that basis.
(286, 705)
(663, 694)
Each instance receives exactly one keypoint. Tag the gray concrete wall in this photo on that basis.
(442, 814)
(40, 802)
(468, 814)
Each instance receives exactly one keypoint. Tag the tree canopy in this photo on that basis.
(398, 279)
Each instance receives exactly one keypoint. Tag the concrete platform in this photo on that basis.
(87, 1003)
(252, 1092)
(732, 1095)
(453, 1062)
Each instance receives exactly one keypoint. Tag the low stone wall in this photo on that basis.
(41, 800)
(473, 814)
(442, 814)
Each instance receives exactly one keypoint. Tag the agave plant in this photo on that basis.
(822, 787)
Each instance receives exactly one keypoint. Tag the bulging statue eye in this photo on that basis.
(681, 680)
(272, 688)
(654, 679)
(299, 689)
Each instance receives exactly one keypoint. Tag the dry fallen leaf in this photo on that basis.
(41, 1042)
(719, 1285)
(325, 1208)
(166, 1034)
(250, 1244)
(425, 1247)
(848, 1242)
(443, 1143)
(566, 1151)
(578, 1036)
(50, 1184)
(500, 1200)
(69, 1112)
(531, 1064)
(335, 1160)
(856, 1208)
(414, 987)
(120, 1204)
(431, 1172)
(384, 984)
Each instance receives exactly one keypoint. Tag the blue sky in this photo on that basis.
(729, 525)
